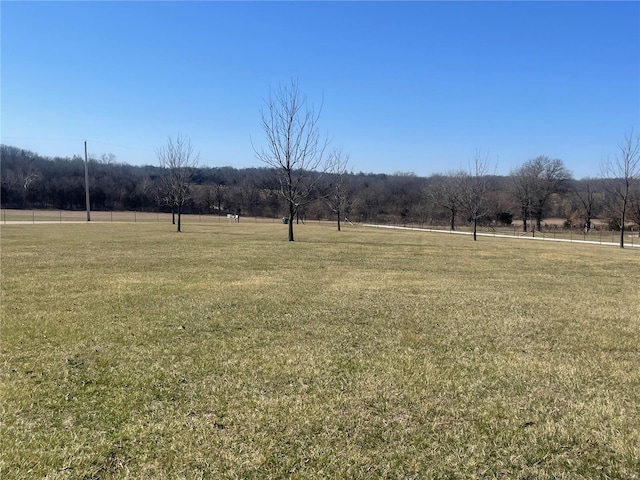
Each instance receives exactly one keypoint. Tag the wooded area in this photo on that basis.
(540, 189)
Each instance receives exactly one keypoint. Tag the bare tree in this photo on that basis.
(446, 194)
(107, 159)
(219, 194)
(294, 147)
(622, 176)
(589, 196)
(473, 188)
(521, 188)
(28, 178)
(534, 183)
(336, 196)
(178, 162)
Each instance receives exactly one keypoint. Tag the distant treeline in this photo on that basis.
(32, 181)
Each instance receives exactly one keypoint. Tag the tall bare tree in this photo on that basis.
(336, 195)
(294, 148)
(473, 187)
(178, 162)
(622, 175)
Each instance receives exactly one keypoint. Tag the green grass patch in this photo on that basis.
(131, 351)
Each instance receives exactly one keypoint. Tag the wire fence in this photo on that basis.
(598, 234)
(11, 216)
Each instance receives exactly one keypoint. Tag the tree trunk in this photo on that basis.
(292, 212)
(624, 212)
(179, 218)
(475, 229)
(524, 219)
(173, 214)
(338, 219)
(453, 220)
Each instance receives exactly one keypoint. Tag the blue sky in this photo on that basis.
(407, 86)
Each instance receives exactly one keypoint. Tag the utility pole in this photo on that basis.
(86, 181)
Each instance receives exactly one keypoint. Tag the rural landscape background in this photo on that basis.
(540, 191)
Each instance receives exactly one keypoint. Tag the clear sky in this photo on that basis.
(407, 86)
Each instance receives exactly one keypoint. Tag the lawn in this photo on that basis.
(132, 351)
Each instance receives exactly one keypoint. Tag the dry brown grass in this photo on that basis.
(130, 351)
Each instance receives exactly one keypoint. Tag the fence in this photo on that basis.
(599, 234)
(9, 216)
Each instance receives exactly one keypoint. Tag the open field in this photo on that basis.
(131, 351)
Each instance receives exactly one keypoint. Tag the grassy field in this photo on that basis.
(131, 351)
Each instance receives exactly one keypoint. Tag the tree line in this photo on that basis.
(541, 188)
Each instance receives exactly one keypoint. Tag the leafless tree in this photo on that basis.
(473, 187)
(446, 194)
(589, 197)
(336, 194)
(294, 148)
(534, 183)
(622, 176)
(178, 162)
(521, 188)
(107, 159)
(27, 180)
(219, 194)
